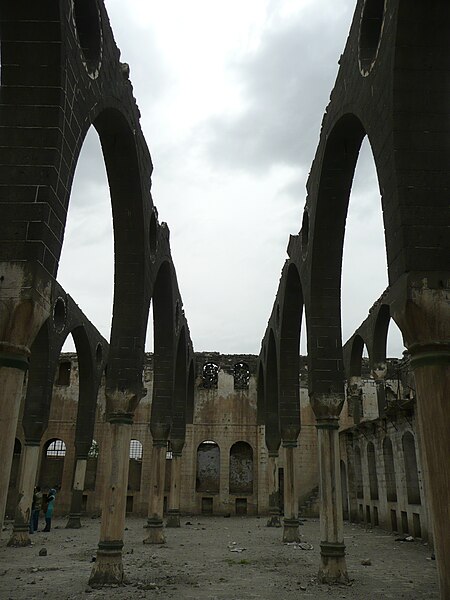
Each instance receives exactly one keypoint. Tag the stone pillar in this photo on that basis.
(74, 520)
(352, 500)
(108, 568)
(155, 524)
(27, 480)
(173, 517)
(290, 521)
(274, 505)
(431, 367)
(422, 310)
(333, 567)
(13, 364)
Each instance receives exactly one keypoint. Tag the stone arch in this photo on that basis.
(289, 356)
(326, 248)
(178, 429)
(411, 469)
(372, 471)
(190, 393)
(380, 334)
(389, 470)
(272, 418)
(241, 468)
(208, 467)
(164, 352)
(131, 249)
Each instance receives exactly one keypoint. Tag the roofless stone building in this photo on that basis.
(60, 75)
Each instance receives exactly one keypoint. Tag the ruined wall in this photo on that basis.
(381, 464)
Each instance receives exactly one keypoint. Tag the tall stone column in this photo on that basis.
(13, 364)
(290, 520)
(108, 568)
(27, 479)
(74, 520)
(272, 484)
(431, 367)
(333, 567)
(423, 314)
(155, 526)
(173, 517)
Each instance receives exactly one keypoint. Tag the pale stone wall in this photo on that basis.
(224, 415)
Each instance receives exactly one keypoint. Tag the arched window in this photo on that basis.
(135, 450)
(411, 471)
(389, 471)
(372, 468)
(52, 465)
(208, 467)
(135, 468)
(358, 473)
(241, 468)
(210, 375)
(56, 449)
(241, 375)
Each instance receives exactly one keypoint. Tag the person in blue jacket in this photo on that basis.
(49, 512)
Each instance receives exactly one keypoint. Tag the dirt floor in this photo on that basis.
(201, 560)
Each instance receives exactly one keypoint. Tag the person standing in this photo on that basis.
(36, 509)
(49, 512)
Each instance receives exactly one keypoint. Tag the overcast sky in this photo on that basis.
(232, 96)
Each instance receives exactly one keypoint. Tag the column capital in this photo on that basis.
(327, 423)
(424, 355)
(14, 356)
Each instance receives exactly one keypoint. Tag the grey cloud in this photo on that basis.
(287, 84)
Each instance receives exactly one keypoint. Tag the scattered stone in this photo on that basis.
(43, 552)
(303, 588)
(366, 562)
(93, 559)
(188, 523)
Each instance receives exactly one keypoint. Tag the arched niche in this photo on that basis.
(358, 473)
(372, 470)
(208, 467)
(411, 470)
(389, 470)
(241, 468)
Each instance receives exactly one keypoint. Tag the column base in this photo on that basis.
(333, 568)
(155, 530)
(290, 530)
(20, 537)
(108, 567)
(173, 518)
(274, 520)
(74, 521)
